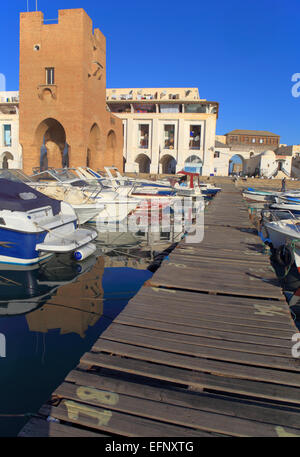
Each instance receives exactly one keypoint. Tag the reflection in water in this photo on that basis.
(51, 314)
(73, 307)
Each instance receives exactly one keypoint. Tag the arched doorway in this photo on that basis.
(193, 164)
(93, 145)
(50, 139)
(111, 142)
(143, 162)
(168, 164)
(6, 156)
(236, 165)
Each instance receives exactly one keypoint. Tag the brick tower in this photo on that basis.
(63, 115)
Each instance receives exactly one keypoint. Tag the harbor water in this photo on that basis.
(51, 314)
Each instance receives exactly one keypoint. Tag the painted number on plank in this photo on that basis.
(101, 396)
(267, 310)
(178, 265)
(103, 416)
(282, 433)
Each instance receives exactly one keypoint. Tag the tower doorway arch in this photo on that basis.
(111, 142)
(50, 139)
(93, 145)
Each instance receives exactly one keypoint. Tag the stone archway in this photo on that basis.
(93, 145)
(111, 143)
(168, 164)
(50, 139)
(236, 164)
(143, 162)
(6, 156)
(193, 164)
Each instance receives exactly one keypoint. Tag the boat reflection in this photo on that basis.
(51, 314)
(23, 288)
(74, 307)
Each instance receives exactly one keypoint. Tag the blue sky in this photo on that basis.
(240, 53)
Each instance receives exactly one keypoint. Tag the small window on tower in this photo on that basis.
(50, 75)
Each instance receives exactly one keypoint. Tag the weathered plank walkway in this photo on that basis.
(203, 350)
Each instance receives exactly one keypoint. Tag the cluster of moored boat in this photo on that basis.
(279, 223)
(42, 214)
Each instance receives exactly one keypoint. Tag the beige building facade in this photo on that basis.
(259, 153)
(10, 148)
(165, 129)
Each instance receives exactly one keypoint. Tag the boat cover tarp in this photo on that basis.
(17, 196)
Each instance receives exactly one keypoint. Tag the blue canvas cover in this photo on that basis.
(16, 196)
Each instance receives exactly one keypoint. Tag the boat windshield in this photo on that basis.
(14, 175)
(65, 175)
(44, 176)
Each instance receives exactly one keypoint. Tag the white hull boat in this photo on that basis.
(260, 196)
(284, 235)
(34, 226)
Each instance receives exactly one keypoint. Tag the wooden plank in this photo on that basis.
(166, 413)
(216, 280)
(38, 427)
(250, 388)
(198, 363)
(214, 325)
(190, 299)
(207, 312)
(136, 321)
(230, 406)
(152, 340)
(118, 423)
(217, 343)
(227, 259)
(227, 246)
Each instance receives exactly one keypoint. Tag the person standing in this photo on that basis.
(283, 185)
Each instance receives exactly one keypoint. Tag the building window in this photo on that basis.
(253, 140)
(217, 154)
(195, 132)
(50, 75)
(261, 140)
(143, 136)
(169, 135)
(7, 135)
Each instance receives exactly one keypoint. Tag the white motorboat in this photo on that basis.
(291, 197)
(254, 195)
(281, 229)
(94, 202)
(34, 226)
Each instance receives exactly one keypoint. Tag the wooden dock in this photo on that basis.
(204, 349)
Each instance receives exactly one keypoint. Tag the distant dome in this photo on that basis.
(268, 153)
